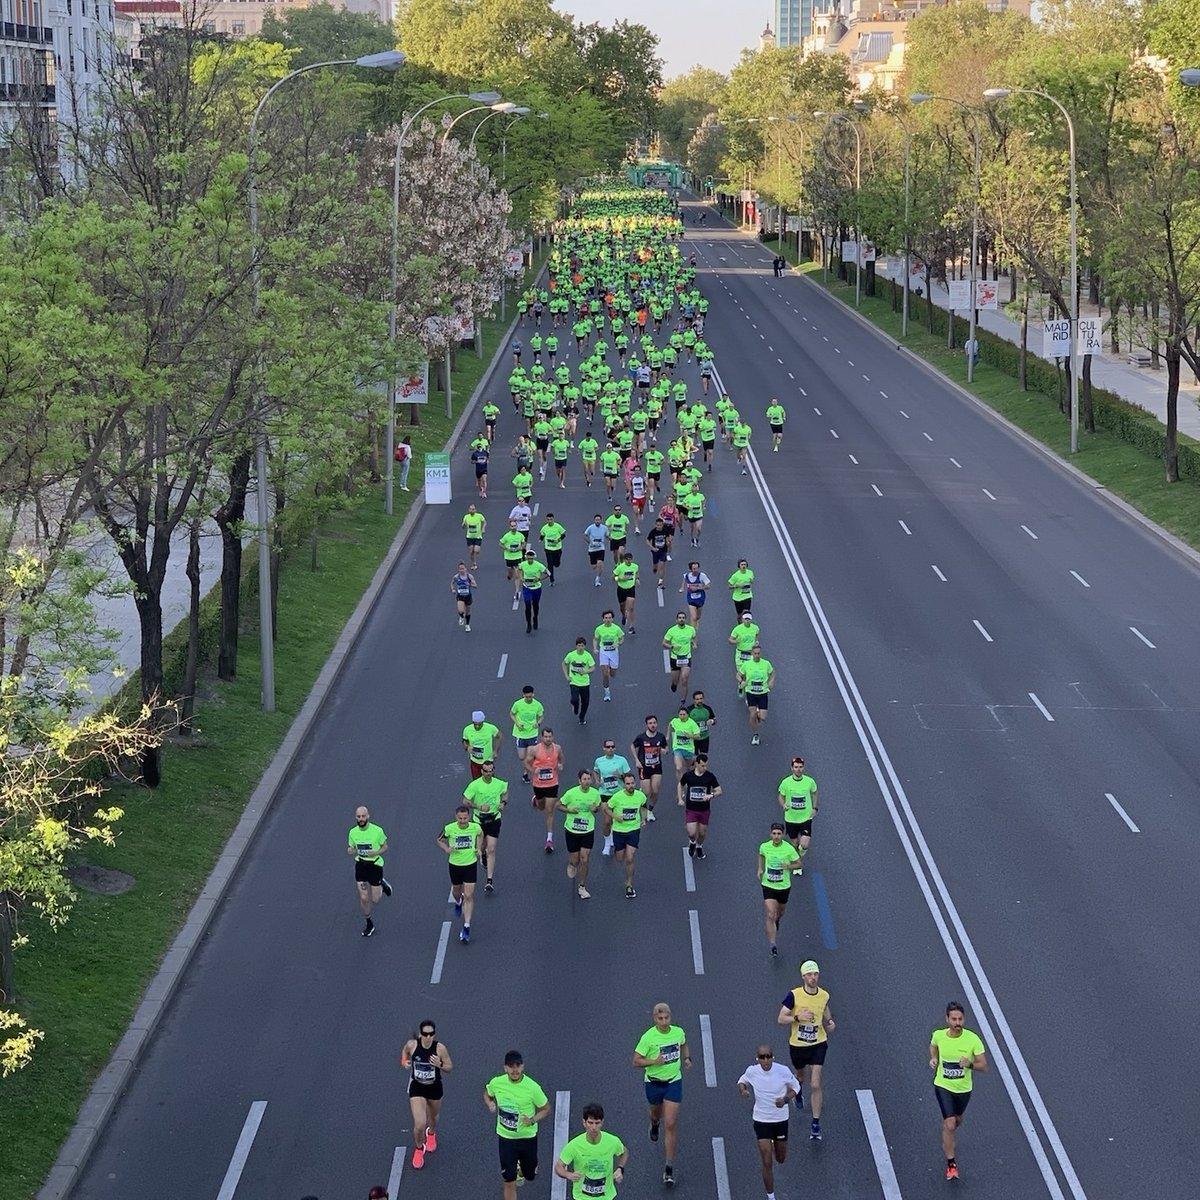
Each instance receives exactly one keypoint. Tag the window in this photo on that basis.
(209, 27)
(239, 29)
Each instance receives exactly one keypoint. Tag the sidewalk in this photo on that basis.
(1137, 385)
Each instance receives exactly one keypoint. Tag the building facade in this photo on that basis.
(793, 22)
(27, 66)
(84, 47)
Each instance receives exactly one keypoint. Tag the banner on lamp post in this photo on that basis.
(437, 479)
(1056, 339)
(414, 388)
(960, 294)
(1090, 335)
(987, 293)
(849, 252)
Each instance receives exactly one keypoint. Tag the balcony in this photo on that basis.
(31, 34)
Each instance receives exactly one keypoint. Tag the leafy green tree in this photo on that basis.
(322, 33)
(683, 104)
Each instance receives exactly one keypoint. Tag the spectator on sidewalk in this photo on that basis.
(971, 350)
(404, 456)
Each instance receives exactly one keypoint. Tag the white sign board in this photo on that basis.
(793, 224)
(1090, 339)
(437, 479)
(868, 253)
(849, 252)
(987, 293)
(1056, 339)
(414, 388)
(513, 262)
(960, 294)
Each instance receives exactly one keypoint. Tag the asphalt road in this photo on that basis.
(965, 848)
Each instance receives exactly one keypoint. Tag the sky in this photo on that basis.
(708, 32)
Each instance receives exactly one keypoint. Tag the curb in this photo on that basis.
(97, 1109)
(1093, 486)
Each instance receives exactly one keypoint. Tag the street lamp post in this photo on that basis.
(845, 119)
(387, 60)
(515, 112)
(393, 384)
(1073, 370)
(500, 106)
(920, 98)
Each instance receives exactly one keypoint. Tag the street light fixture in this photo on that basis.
(500, 106)
(386, 60)
(515, 112)
(1073, 366)
(921, 98)
(845, 119)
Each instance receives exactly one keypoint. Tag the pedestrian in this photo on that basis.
(695, 589)
(580, 804)
(680, 643)
(698, 787)
(532, 574)
(519, 1104)
(527, 713)
(404, 456)
(551, 536)
(971, 350)
(805, 1009)
(606, 645)
(775, 859)
(741, 586)
(662, 1052)
(462, 588)
(625, 574)
(481, 740)
(577, 668)
(594, 1161)
(798, 799)
(459, 841)
(771, 1086)
(480, 453)
(648, 749)
(488, 797)
(608, 770)
(544, 765)
(705, 717)
(474, 525)
(955, 1054)
(596, 536)
(756, 678)
(367, 844)
(426, 1060)
(627, 818)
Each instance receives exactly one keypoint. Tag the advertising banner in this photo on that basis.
(960, 294)
(1090, 339)
(987, 293)
(1056, 339)
(414, 388)
(437, 479)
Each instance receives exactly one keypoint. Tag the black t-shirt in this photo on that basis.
(657, 538)
(696, 788)
(649, 748)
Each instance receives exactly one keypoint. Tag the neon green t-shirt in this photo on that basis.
(669, 1044)
(579, 663)
(618, 525)
(627, 809)
(610, 462)
(483, 795)
(777, 864)
(594, 1161)
(512, 542)
(589, 448)
(463, 841)
(741, 435)
(581, 809)
(552, 534)
(951, 1075)
(776, 414)
(514, 1101)
(684, 733)
(480, 741)
(367, 843)
(797, 795)
(532, 572)
(608, 636)
(742, 583)
(744, 635)
(680, 639)
(756, 675)
(625, 574)
(526, 718)
(472, 524)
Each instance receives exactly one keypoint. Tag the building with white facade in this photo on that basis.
(84, 48)
(27, 67)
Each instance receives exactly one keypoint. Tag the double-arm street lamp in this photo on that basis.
(387, 60)
(1075, 362)
(921, 98)
(516, 112)
(845, 119)
(500, 106)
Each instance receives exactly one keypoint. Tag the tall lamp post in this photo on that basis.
(517, 111)
(844, 118)
(500, 106)
(1073, 369)
(387, 60)
(393, 384)
(921, 98)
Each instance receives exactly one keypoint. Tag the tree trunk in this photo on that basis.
(373, 446)
(414, 415)
(1093, 288)
(1171, 441)
(8, 987)
(929, 298)
(1155, 364)
(1114, 328)
(187, 706)
(1023, 353)
(1085, 395)
(229, 518)
(276, 556)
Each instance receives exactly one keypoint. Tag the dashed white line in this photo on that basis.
(1137, 633)
(790, 375)
(816, 410)
(1120, 812)
(926, 436)
(697, 949)
(1041, 707)
(241, 1152)
(988, 494)
(836, 349)
(778, 360)
(867, 378)
(1030, 532)
(987, 637)
(397, 1172)
(439, 959)
(536, 507)
(706, 1045)
(850, 361)
(503, 664)
(822, 335)
(884, 395)
(938, 572)
(666, 663)
(1081, 579)
(956, 463)
(904, 414)
(835, 433)
(876, 490)
(562, 1134)
(660, 596)
(803, 392)
(721, 1169)
(689, 872)
(906, 529)
(888, 1183)
(853, 460)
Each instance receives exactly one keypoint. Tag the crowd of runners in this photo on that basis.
(598, 396)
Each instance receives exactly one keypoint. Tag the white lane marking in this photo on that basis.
(721, 1169)
(241, 1152)
(666, 662)
(816, 410)
(706, 1045)
(803, 392)
(1120, 812)
(1081, 579)
(516, 603)
(752, 325)
(854, 460)
(904, 414)
(1041, 707)
(790, 375)
(988, 494)
(926, 436)
(697, 949)
(956, 463)
(836, 349)
(503, 664)
(835, 434)
(884, 395)
(562, 1135)
(987, 637)
(772, 350)
(1137, 633)
(397, 1171)
(888, 1183)
(906, 529)
(778, 360)
(689, 871)
(876, 490)
(850, 361)
(825, 338)
(660, 595)
(761, 338)
(1030, 532)
(536, 507)
(439, 959)
(938, 572)
(867, 378)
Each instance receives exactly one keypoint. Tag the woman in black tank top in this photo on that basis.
(427, 1060)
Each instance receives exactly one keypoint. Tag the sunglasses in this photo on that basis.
(428, 1032)
(766, 1056)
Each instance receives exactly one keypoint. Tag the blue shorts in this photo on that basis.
(525, 743)
(657, 1092)
(632, 838)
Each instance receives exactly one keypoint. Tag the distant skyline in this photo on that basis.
(708, 32)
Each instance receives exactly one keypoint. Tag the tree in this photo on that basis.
(622, 67)
(322, 33)
(683, 104)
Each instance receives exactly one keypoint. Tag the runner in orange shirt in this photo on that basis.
(544, 766)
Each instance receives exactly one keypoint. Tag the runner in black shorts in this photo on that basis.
(426, 1059)
(648, 749)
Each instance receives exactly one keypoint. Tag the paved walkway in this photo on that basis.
(1138, 385)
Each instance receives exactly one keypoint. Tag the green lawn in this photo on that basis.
(82, 984)
(1125, 470)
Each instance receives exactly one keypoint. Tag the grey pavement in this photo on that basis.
(974, 653)
(1143, 386)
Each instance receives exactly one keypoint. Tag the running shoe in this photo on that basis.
(630, 894)
(774, 951)
(489, 887)
(650, 816)
(814, 1134)
(430, 1141)
(464, 935)
(699, 851)
(369, 928)
(549, 847)
(418, 1158)
(669, 1176)
(584, 894)
(691, 849)
(387, 887)
(754, 740)
(654, 1131)
(952, 1171)
(800, 1098)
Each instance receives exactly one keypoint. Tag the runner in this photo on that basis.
(698, 788)
(474, 525)
(654, 459)
(680, 642)
(669, 514)
(806, 1010)
(955, 1054)
(627, 812)
(775, 858)
(532, 573)
(648, 749)
(594, 1161)
(683, 731)
(480, 453)
(618, 530)
(695, 590)
(741, 444)
(491, 414)
(662, 1052)
(756, 677)
(426, 1060)
(608, 769)
(523, 515)
(625, 575)
(595, 535)
(656, 539)
(519, 1104)
(580, 805)
(772, 1087)
(702, 713)
(544, 765)
(776, 415)
(741, 585)
(460, 841)
(606, 643)
(527, 714)
(481, 740)
(577, 668)
(512, 543)
(560, 450)
(551, 535)
(589, 451)
(798, 799)
(487, 797)
(461, 584)
(610, 467)
(694, 508)
(742, 637)
(367, 844)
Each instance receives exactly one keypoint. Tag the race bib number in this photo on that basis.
(683, 660)
(508, 1119)
(423, 1073)
(807, 1033)
(593, 1186)
(545, 774)
(670, 1053)
(697, 795)
(953, 1070)
(651, 756)
(629, 814)
(463, 841)
(579, 824)
(774, 874)
(365, 849)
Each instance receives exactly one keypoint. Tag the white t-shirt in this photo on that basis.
(595, 535)
(523, 515)
(768, 1086)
